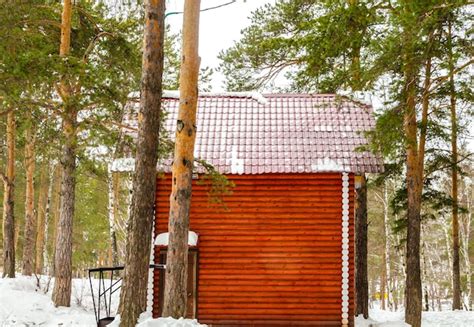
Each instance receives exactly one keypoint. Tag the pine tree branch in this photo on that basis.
(449, 165)
(93, 43)
(443, 79)
(42, 22)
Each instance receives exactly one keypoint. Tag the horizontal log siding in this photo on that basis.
(272, 255)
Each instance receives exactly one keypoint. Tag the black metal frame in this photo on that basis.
(103, 291)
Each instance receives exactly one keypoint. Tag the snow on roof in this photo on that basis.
(174, 94)
(327, 164)
(163, 239)
(249, 133)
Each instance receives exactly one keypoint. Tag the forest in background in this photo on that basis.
(348, 46)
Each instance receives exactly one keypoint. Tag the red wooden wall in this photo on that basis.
(273, 257)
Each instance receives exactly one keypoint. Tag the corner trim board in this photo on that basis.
(345, 251)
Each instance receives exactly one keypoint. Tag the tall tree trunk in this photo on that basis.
(454, 177)
(470, 247)
(386, 229)
(30, 223)
(114, 203)
(425, 277)
(413, 293)
(361, 227)
(465, 229)
(383, 283)
(63, 253)
(112, 185)
(361, 278)
(43, 199)
(447, 244)
(175, 301)
(56, 210)
(133, 293)
(9, 201)
(395, 289)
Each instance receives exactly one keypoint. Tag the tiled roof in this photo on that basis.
(280, 133)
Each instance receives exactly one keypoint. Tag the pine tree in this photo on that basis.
(175, 301)
(63, 257)
(8, 200)
(30, 223)
(454, 176)
(134, 287)
(41, 217)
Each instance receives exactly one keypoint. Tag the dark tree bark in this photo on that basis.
(361, 278)
(9, 201)
(30, 223)
(43, 199)
(55, 210)
(133, 293)
(175, 301)
(457, 305)
(413, 293)
(63, 252)
(361, 228)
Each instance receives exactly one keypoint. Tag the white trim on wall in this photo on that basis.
(150, 293)
(345, 251)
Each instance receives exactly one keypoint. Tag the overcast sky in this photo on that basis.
(219, 28)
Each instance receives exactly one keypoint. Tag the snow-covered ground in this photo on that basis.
(381, 318)
(23, 303)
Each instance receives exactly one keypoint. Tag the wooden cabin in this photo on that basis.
(280, 251)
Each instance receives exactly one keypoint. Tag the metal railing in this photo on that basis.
(105, 293)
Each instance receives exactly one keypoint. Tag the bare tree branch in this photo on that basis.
(3, 177)
(6, 112)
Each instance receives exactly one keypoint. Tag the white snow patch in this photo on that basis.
(22, 303)
(323, 128)
(163, 239)
(383, 318)
(171, 94)
(122, 165)
(174, 94)
(327, 164)
(127, 165)
(135, 94)
(236, 164)
(361, 96)
(145, 320)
